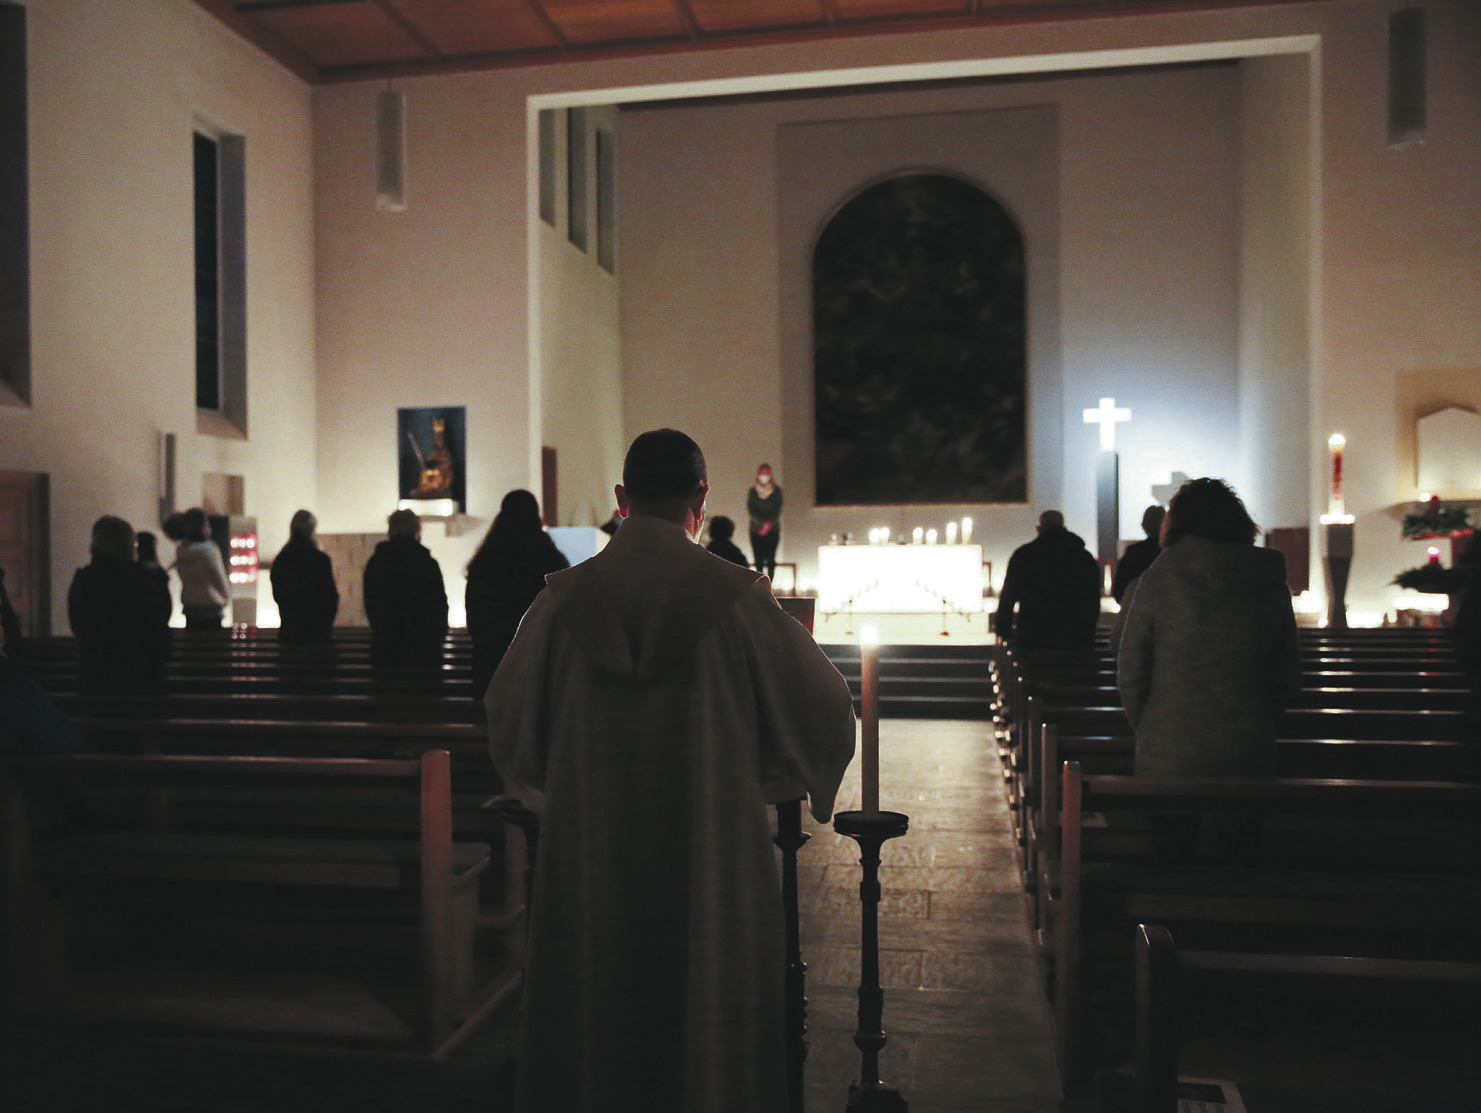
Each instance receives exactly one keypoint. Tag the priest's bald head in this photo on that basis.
(664, 476)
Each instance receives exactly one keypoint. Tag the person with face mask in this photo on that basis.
(764, 503)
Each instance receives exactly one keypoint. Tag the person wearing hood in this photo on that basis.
(655, 700)
(1055, 585)
(1209, 656)
(405, 599)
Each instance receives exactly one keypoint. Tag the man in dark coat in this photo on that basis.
(303, 585)
(405, 598)
(119, 613)
(1051, 593)
(1139, 555)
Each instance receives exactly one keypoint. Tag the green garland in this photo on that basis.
(1435, 579)
(1442, 521)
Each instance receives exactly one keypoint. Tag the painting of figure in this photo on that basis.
(430, 454)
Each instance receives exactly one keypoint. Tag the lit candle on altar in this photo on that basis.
(951, 533)
(930, 537)
(1434, 554)
(869, 727)
(966, 531)
(917, 535)
(1335, 502)
(884, 535)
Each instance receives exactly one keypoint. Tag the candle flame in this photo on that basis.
(869, 635)
(1336, 440)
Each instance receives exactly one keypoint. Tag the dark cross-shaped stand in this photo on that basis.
(869, 1094)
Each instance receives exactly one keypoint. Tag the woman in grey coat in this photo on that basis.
(1208, 656)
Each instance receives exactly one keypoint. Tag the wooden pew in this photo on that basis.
(1390, 871)
(282, 856)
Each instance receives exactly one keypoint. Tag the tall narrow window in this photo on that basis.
(547, 165)
(576, 176)
(606, 201)
(207, 273)
(220, 283)
(15, 252)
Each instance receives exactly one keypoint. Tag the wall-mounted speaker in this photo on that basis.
(1406, 77)
(390, 151)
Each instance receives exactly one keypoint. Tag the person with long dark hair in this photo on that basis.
(303, 584)
(504, 576)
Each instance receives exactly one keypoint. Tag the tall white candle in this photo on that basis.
(869, 730)
(966, 531)
(917, 535)
(951, 533)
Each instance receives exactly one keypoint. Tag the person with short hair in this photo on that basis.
(722, 529)
(654, 701)
(119, 614)
(204, 588)
(1139, 555)
(303, 585)
(1050, 597)
(1209, 656)
(504, 576)
(405, 598)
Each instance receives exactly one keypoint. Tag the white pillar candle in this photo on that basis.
(966, 531)
(930, 537)
(951, 533)
(917, 535)
(869, 727)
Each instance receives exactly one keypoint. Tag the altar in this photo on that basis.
(900, 579)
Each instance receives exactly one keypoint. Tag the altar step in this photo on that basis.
(924, 681)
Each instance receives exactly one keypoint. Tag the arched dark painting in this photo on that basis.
(920, 357)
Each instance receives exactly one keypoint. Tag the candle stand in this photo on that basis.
(870, 830)
(791, 838)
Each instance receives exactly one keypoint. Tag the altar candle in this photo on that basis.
(869, 730)
(1434, 554)
(951, 533)
(930, 537)
(917, 534)
(966, 531)
(1335, 444)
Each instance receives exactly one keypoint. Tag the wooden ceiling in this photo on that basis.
(349, 40)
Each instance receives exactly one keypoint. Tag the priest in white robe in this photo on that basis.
(655, 700)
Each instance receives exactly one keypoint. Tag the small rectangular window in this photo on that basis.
(547, 165)
(606, 201)
(576, 199)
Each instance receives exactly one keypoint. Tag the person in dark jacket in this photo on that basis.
(1051, 591)
(1139, 555)
(303, 585)
(405, 599)
(722, 529)
(119, 613)
(504, 576)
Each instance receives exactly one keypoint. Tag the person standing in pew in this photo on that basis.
(1140, 554)
(405, 598)
(504, 576)
(655, 700)
(204, 588)
(1051, 591)
(1208, 656)
(303, 585)
(120, 615)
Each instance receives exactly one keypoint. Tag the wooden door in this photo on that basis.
(25, 548)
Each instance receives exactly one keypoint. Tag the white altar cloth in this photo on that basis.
(900, 579)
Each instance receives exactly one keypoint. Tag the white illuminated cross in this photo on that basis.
(1106, 415)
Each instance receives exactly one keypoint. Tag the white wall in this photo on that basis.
(580, 351)
(1125, 186)
(1275, 342)
(431, 305)
(114, 90)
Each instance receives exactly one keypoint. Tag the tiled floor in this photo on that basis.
(968, 1029)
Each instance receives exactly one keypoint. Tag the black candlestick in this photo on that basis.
(870, 830)
(791, 837)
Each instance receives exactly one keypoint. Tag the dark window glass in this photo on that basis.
(207, 275)
(576, 176)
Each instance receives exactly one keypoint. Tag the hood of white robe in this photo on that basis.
(639, 607)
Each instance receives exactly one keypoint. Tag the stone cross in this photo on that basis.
(1107, 415)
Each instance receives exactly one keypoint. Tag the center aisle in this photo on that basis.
(964, 1011)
